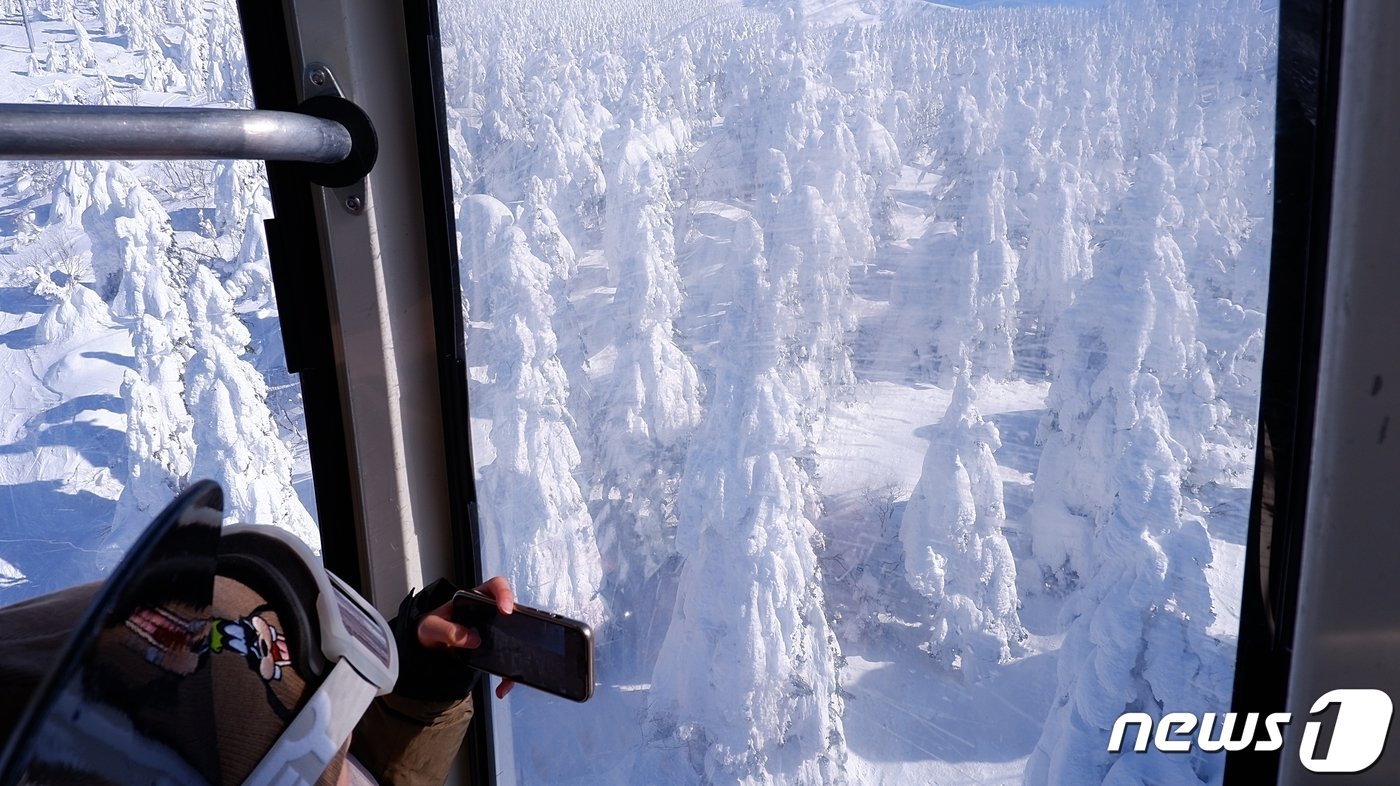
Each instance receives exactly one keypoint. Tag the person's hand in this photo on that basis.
(437, 630)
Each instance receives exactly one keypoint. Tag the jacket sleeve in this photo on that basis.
(410, 737)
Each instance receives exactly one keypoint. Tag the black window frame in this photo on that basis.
(1308, 76)
(298, 266)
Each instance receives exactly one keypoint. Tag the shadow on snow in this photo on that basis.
(54, 537)
(911, 710)
(58, 427)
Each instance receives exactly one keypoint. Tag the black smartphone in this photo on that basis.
(536, 648)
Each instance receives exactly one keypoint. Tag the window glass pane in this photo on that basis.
(879, 378)
(139, 337)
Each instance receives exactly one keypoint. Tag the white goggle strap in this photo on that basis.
(309, 745)
(355, 631)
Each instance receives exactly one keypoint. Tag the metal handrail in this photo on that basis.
(57, 131)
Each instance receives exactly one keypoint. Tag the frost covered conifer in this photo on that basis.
(503, 143)
(983, 233)
(834, 168)
(812, 204)
(237, 442)
(240, 191)
(159, 430)
(75, 311)
(480, 222)
(962, 274)
(195, 63)
(549, 242)
(83, 56)
(651, 402)
(547, 239)
(214, 42)
(544, 543)
(1137, 314)
(143, 277)
(811, 271)
(109, 12)
(1136, 639)
(747, 679)
(72, 192)
(865, 84)
(250, 280)
(1057, 259)
(35, 65)
(955, 553)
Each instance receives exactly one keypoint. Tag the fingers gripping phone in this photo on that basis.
(536, 648)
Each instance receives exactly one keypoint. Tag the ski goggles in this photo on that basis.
(213, 655)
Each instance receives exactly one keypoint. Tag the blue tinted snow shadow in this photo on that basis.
(186, 219)
(911, 710)
(73, 407)
(882, 351)
(1018, 449)
(1017, 499)
(21, 338)
(21, 300)
(53, 537)
(1228, 517)
(125, 361)
(99, 445)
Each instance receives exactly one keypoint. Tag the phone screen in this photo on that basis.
(532, 647)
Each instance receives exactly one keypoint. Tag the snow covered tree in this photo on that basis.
(955, 553)
(159, 431)
(1136, 639)
(983, 233)
(544, 542)
(75, 311)
(1057, 259)
(962, 273)
(865, 84)
(236, 440)
(550, 243)
(567, 167)
(139, 271)
(547, 239)
(240, 189)
(652, 400)
(811, 274)
(132, 246)
(72, 192)
(502, 142)
(811, 201)
(834, 168)
(747, 678)
(195, 64)
(1135, 315)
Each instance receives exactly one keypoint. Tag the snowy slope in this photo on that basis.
(68, 346)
